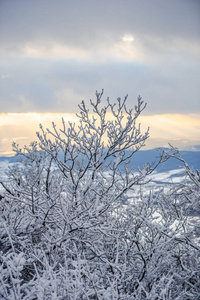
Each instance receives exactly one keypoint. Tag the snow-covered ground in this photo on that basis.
(157, 179)
(172, 176)
(3, 166)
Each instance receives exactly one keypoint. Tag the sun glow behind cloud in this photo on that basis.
(50, 49)
(53, 55)
(124, 48)
(180, 130)
(121, 50)
(128, 38)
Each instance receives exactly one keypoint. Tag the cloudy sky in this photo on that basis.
(54, 53)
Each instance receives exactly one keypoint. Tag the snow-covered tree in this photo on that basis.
(73, 225)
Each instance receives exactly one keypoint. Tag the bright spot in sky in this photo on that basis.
(128, 38)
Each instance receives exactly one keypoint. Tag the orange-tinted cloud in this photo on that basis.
(180, 130)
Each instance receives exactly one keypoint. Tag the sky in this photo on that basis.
(55, 53)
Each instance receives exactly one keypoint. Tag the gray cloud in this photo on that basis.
(90, 23)
(166, 36)
(49, 86)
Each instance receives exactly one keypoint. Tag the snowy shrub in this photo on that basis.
(73, 225)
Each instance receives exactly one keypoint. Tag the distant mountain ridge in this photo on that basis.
(192, 158)
(147, 156)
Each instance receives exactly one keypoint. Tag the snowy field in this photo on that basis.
(157, 179)
(3, 167)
